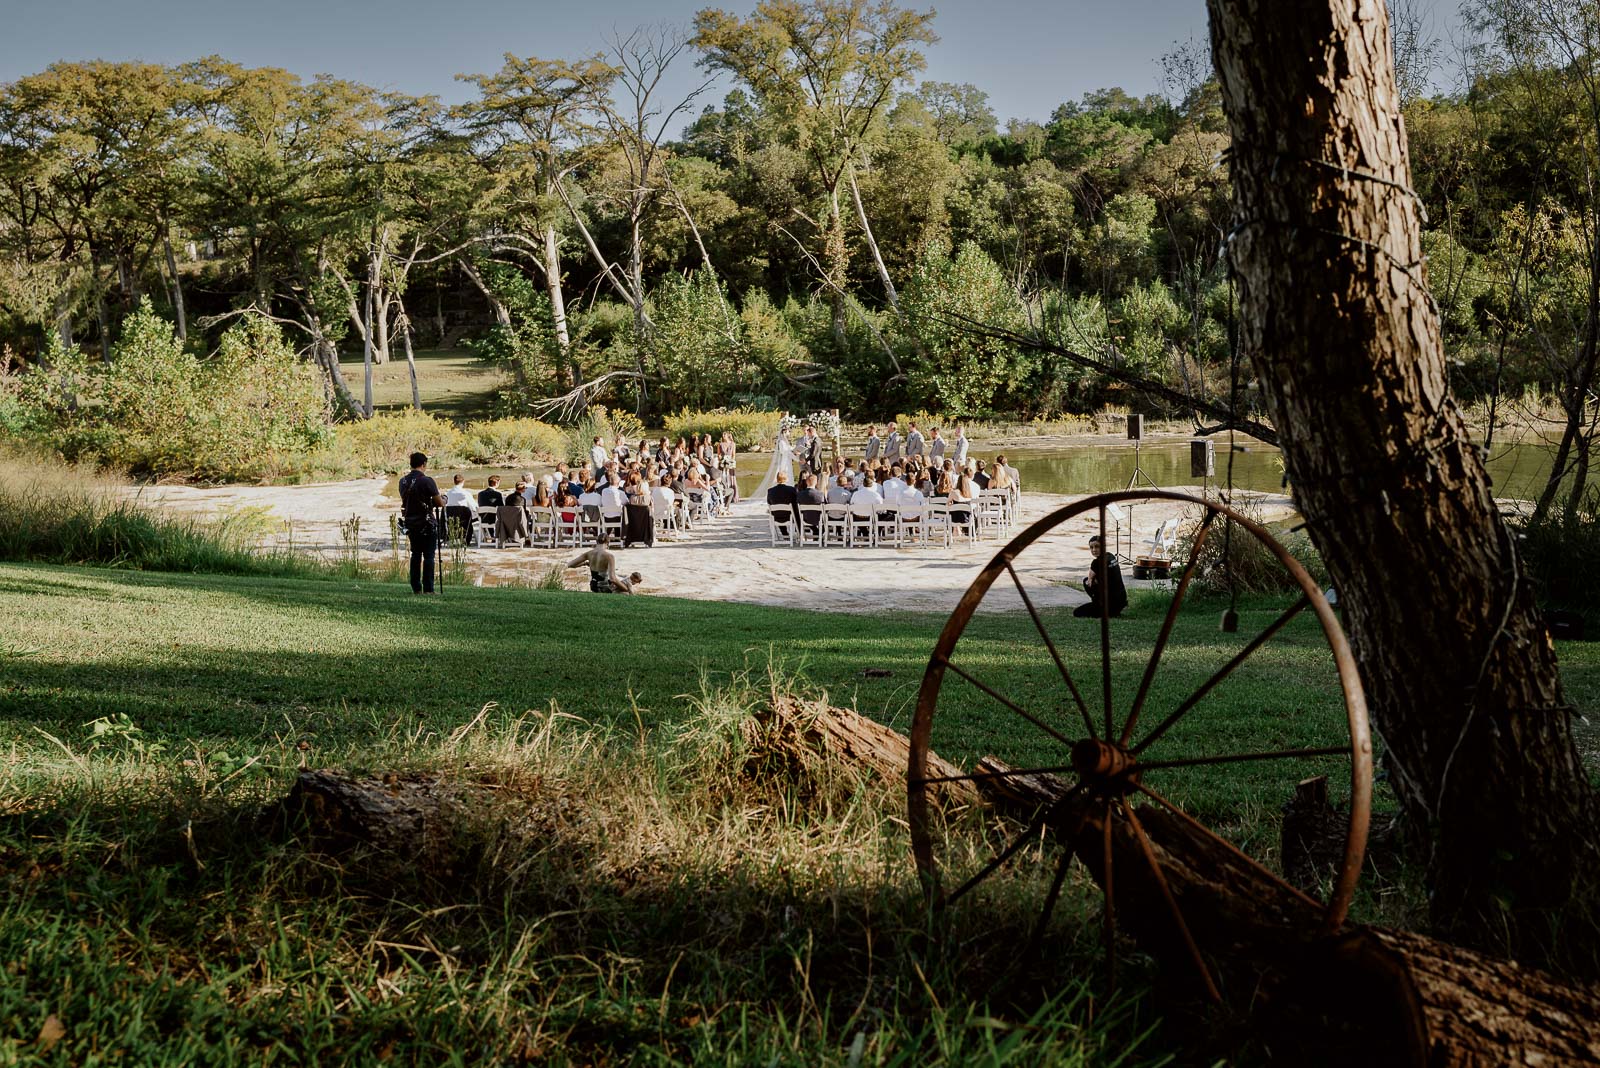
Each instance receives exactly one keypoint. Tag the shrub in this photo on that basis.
(1242, 563)
(511, 441)
(384, 442)
(1561, 553)
(750, 427)
(597, 420)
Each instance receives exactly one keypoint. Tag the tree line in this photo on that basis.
(823, 234)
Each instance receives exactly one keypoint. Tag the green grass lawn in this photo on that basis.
(641, 901)
(453, 383)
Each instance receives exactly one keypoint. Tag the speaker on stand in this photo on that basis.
(1136, 435)
(1202, 462)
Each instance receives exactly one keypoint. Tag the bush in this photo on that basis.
(597, 420)
(1561, 553)
(384, 442)
(511, 441)
(750, 427)
(1243, 563)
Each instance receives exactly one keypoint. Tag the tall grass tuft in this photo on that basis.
(59, 513)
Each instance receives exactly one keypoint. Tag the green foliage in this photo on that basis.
(700, 355)
(1561, 552)
(1237, 562)
(599, 420)
(493, 442)
(953, 371)
(750, 428)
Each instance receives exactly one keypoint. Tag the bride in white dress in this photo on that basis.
(782, 460)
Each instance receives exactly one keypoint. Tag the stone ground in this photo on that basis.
(728, 559)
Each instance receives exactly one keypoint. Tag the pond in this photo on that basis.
(1517, 470)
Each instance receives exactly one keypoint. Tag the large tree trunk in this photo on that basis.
(177, 287)
(558, 305)
(1460, 673)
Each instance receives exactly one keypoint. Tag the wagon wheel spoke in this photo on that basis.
(1224, 671)
(1196, 825)
(1010, 850)
(1109, 923)
(1018, 709)
(1166, 627)
(1105, 621)
(1066, 676)
(1172, 904)
(1233, 758)
(1049, 902)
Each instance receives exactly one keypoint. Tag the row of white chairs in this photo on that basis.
(933, 521)
(550, 528)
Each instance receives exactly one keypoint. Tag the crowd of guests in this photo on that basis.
(651, 485)
(895, 473)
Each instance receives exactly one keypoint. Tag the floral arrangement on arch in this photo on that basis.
(827, 423)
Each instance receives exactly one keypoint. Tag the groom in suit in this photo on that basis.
(810, 452)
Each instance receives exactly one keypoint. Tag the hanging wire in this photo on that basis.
(1230, 618)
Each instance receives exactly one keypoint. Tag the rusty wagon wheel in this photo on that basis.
(1103, 754)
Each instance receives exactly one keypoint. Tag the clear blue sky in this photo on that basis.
(1029, 55)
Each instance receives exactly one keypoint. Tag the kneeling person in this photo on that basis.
(1103, 584)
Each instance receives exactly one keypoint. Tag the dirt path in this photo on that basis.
(729, 559)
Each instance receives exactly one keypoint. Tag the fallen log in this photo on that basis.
(1368, 995)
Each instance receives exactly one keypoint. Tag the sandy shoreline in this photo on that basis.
(728, 559)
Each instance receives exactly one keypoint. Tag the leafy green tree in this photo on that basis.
(954, 371)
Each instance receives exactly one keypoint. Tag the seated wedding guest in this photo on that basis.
(567, 503)
(839, 493)
(999, 477)
(1016, 476)
(910, 503)
(894, 485)
(866, 501)
(490, 496)
(780, 501)
(980, 476)
(613, 500)
(809, 496)
(835, 469)
(460, 508)
(541, 495)
(589, 500)
(962, 491)
(663, 502)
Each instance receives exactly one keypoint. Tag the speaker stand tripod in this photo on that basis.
(1133, 481)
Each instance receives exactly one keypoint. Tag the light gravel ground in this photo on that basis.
(728, 559)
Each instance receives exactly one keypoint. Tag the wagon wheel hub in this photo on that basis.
(1108, 768)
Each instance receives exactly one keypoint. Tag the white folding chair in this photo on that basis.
(542, 526)
(836, 524)
(780, 524)
(936, 521)
(665, 518)
(486, 523)
(566, 527)
(809, 529)
(911, 527)
(699, 505)
(887, 521)
(989, 513)
(863, 527)
(612, 525)
(970, 526)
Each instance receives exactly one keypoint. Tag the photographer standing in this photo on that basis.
(419, 496)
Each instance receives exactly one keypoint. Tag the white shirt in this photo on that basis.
(910, 502)
(589, 500)
(461, 497)
(866, 501)
(893, 488)
(662, 500)
(612, 500)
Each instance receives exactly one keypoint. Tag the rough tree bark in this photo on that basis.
(1336, 320)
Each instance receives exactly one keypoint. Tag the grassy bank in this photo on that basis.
(628, 892)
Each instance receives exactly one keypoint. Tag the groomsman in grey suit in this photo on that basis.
(961, 445)
(936, 449)
(874, 446)
(891, 447)
(914, 446)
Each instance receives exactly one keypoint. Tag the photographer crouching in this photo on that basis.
(419, 496)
